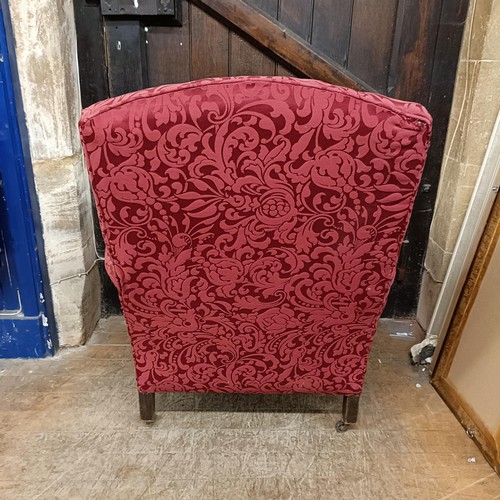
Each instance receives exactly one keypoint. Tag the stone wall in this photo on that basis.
(475, 106)
(45, 42)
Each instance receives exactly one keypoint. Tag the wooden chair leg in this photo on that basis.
(350, 407)
(147, 406)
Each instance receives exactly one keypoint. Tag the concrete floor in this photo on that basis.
(69, 428)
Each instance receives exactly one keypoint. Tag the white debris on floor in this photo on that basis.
(422, 352)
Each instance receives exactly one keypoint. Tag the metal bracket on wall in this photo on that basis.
(164, 8)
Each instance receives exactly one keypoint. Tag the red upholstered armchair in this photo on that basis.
(252, 228)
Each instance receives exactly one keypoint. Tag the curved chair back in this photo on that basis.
(252, 227)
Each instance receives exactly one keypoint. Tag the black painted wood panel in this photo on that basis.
(94, 87)
(246, 59)
(414, 44)
(169, 52)
(370, 46)
(209, 45)
(405, 48)
(268, 6)
(296, 15)
(91, 54)
(331, 32)
(403, 298)
(126, 50)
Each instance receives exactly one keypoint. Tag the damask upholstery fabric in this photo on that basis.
(252, 227)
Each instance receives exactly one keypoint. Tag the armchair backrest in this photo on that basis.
(253, 226)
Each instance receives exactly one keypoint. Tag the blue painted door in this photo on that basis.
(24, 328)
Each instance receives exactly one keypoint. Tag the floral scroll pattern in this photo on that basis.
(253, 227)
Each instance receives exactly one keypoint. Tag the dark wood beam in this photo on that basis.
(273, 36)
